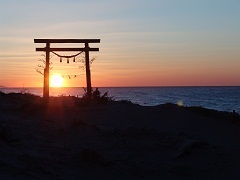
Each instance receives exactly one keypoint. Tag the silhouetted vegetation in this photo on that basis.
(96, 98)
(40, 67)
(82, 60)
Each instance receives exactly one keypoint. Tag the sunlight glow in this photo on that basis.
(180, 103)
(56, 80)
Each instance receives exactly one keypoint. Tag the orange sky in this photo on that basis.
(128, 70)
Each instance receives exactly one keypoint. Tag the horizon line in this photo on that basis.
(128, 86)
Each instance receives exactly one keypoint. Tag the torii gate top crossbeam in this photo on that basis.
(66, 40)
(67, 49)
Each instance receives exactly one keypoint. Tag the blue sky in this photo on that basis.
(154, 42)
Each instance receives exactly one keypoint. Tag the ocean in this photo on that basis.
(218, 98)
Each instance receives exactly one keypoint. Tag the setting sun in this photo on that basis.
(56, 80)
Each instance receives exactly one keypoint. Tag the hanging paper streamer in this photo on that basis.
(74, 59)
(67, 60)
(60, 59)
(70, 76)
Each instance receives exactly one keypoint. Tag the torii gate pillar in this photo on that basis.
(86, 49)
(88, 73)
(46, 73)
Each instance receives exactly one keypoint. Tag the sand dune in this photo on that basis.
(67, 139)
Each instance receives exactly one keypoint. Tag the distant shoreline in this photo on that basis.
(123, 87)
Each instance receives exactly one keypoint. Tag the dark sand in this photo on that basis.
(67, 139)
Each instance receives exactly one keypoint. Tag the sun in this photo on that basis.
(56, 80)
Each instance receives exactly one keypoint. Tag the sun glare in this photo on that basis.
(56, 81)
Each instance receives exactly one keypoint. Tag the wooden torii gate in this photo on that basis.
(48, 49)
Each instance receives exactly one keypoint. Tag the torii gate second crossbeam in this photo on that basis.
(86, 49)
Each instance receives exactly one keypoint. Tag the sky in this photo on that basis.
(143, 43)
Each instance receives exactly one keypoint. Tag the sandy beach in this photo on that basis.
(68, 139)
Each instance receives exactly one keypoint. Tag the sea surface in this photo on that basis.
(218, 98)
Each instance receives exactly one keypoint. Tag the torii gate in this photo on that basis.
(86, 49)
